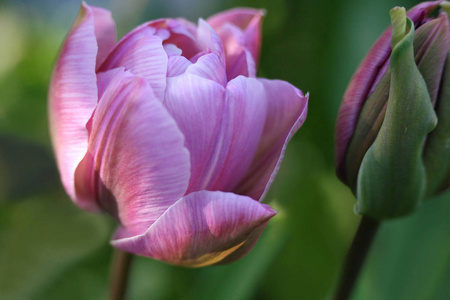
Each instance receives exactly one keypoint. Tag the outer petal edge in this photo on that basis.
(201, 229)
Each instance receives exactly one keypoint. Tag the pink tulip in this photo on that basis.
(170, 132)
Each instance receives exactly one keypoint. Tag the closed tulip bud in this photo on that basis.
(393, 128)
(170, 132)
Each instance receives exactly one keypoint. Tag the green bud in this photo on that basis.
(392, 177)
(389, 150)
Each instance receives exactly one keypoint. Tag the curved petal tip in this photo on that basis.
(201, 229)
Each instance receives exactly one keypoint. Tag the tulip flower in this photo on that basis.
(389, 150)
(170, 132)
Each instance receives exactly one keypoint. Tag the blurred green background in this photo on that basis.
(50, 249)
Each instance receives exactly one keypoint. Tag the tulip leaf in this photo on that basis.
(392, 178)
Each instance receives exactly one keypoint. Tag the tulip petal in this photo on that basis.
(240, 31)
(178, 32)
(436, 152)
(209, 66)
(209, 40)
(73, 97)
(286, 111)
(172, 50)
(362, 82)
(247, 110)
(136, 166)
(177, 65)
(183, 35)
(222, 127)
(431, 44)
(105, 32)
(200, 229)
(143, 54)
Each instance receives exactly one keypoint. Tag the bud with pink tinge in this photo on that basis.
(389, 150)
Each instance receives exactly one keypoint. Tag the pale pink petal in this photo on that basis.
(136, 166)
(240, 31)
(209, 66)
(365, 78)
(179, 32)
(143, 54)
(286, 111)
(177, 65)
(209, 40)
(73, 97)
(201, 229)
(210, 63)
(198, 106)
(105, 32)
(183, 34)
(172, 50)
(248, 20)
(222, 127)
(246, 118)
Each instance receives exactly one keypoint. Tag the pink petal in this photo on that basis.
(73, 97)
(197, 105)
(286, 111)
(209, 66)
(177, 65)
(105, 32)
(172, 50)
(210, 63)
(201, 229)
(245, 247)
(136, 166)
(240, 31)
(222, 127)
(179, 32)
(209, 40)
(143, 54)
(363, 80)
(183, 35)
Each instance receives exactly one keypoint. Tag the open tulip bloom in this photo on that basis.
(170, 132)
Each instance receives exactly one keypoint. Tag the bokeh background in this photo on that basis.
(50, 249)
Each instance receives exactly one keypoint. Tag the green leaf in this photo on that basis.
(392, 178)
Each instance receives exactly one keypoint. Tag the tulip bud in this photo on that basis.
(389, 150)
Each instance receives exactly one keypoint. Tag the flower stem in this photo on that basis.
(356, 256)
(119, 274)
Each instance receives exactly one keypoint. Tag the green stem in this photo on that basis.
(119, 275)
(356, 257)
